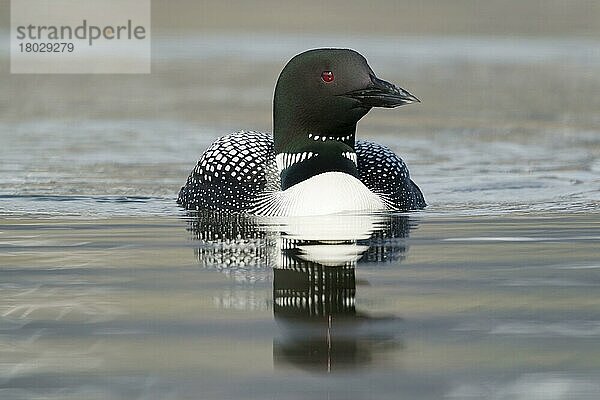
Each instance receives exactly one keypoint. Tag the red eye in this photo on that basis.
(327, 76)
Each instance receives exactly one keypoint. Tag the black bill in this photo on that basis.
(382, 94)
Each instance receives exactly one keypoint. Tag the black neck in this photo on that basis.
(290, 138)
(295, 131)
(328, 156)
(314, 166)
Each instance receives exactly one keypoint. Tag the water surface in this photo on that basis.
(429, 307)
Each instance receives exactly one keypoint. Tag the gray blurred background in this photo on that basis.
(509, 90)
(184, 86)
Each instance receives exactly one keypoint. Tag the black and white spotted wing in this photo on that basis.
(238, 171)
(232, 173)
(386, 175)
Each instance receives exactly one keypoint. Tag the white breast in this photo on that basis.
(326, 193)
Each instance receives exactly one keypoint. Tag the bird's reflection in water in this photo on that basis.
(312, 263)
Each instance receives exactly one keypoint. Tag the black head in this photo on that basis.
(324, 93)
(320, 96)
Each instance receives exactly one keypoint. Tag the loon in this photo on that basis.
(312, 164)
